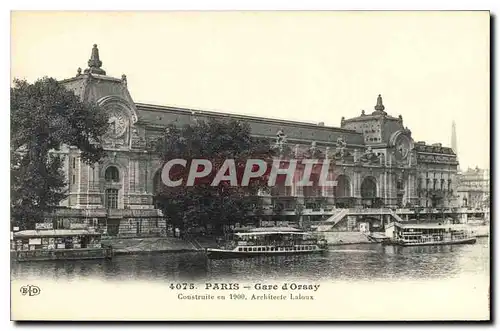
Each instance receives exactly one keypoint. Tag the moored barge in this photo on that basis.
(63, 244)
(427, 235)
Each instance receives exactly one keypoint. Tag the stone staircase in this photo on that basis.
(330, 222)
(396, 217)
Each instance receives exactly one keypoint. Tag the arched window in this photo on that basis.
(112, 198)
(399, 184)
(112, 174)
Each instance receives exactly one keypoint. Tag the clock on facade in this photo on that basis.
(117, 122)
(403, 146)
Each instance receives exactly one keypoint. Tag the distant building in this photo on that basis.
(474, 188)
(454, 144)
(378, 163)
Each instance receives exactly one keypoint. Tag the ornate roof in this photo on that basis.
(377, 114)
(95, 63)
(435, 148)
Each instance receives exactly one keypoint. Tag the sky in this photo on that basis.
(430, 67)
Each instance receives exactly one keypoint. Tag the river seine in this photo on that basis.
(349, 262)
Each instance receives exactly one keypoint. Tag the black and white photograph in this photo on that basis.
(250, 165)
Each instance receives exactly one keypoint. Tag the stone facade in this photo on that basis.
(377, 162)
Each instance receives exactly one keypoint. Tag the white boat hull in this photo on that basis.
(437, 243)
(215, 253)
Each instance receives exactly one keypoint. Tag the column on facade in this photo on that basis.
(90, 179)
(125, 187)
(407, 187)
(81, 181)
(384, 184)
(149, 181)
(357, 184)
(141, 175)
(297, 190)
(93, 182)
(328, 190)
(381, 186)
(388, 188)
(96, 176)
(324, 188)
(147, 178)
(132, 175)
(413, 188)
(354, 183)
(392, 187)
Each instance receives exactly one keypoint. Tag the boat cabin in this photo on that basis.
(30, 240)
(270, 239)
(426, 232)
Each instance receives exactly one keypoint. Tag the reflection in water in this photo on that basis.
(350, 262)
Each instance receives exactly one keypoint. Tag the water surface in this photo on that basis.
(349, 262)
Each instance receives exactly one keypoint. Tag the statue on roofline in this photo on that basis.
(340, 150)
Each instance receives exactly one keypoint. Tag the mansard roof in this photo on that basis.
(160, 116)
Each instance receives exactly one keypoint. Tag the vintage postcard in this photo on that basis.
(250, 165)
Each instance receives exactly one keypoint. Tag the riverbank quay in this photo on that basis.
(480, 230)
(200, 243)
(337, 238)
(345, 238)
(123, 246)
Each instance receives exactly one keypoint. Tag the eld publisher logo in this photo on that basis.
(30, 290)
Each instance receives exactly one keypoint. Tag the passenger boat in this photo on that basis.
(269, 242)
(428, 235)
(63, 244)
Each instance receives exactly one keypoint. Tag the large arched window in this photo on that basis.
(112, 174)
(369, 188)
(314, 190)
(280, 188)
(343, 188)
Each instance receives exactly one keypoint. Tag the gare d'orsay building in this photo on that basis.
(377, 161)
